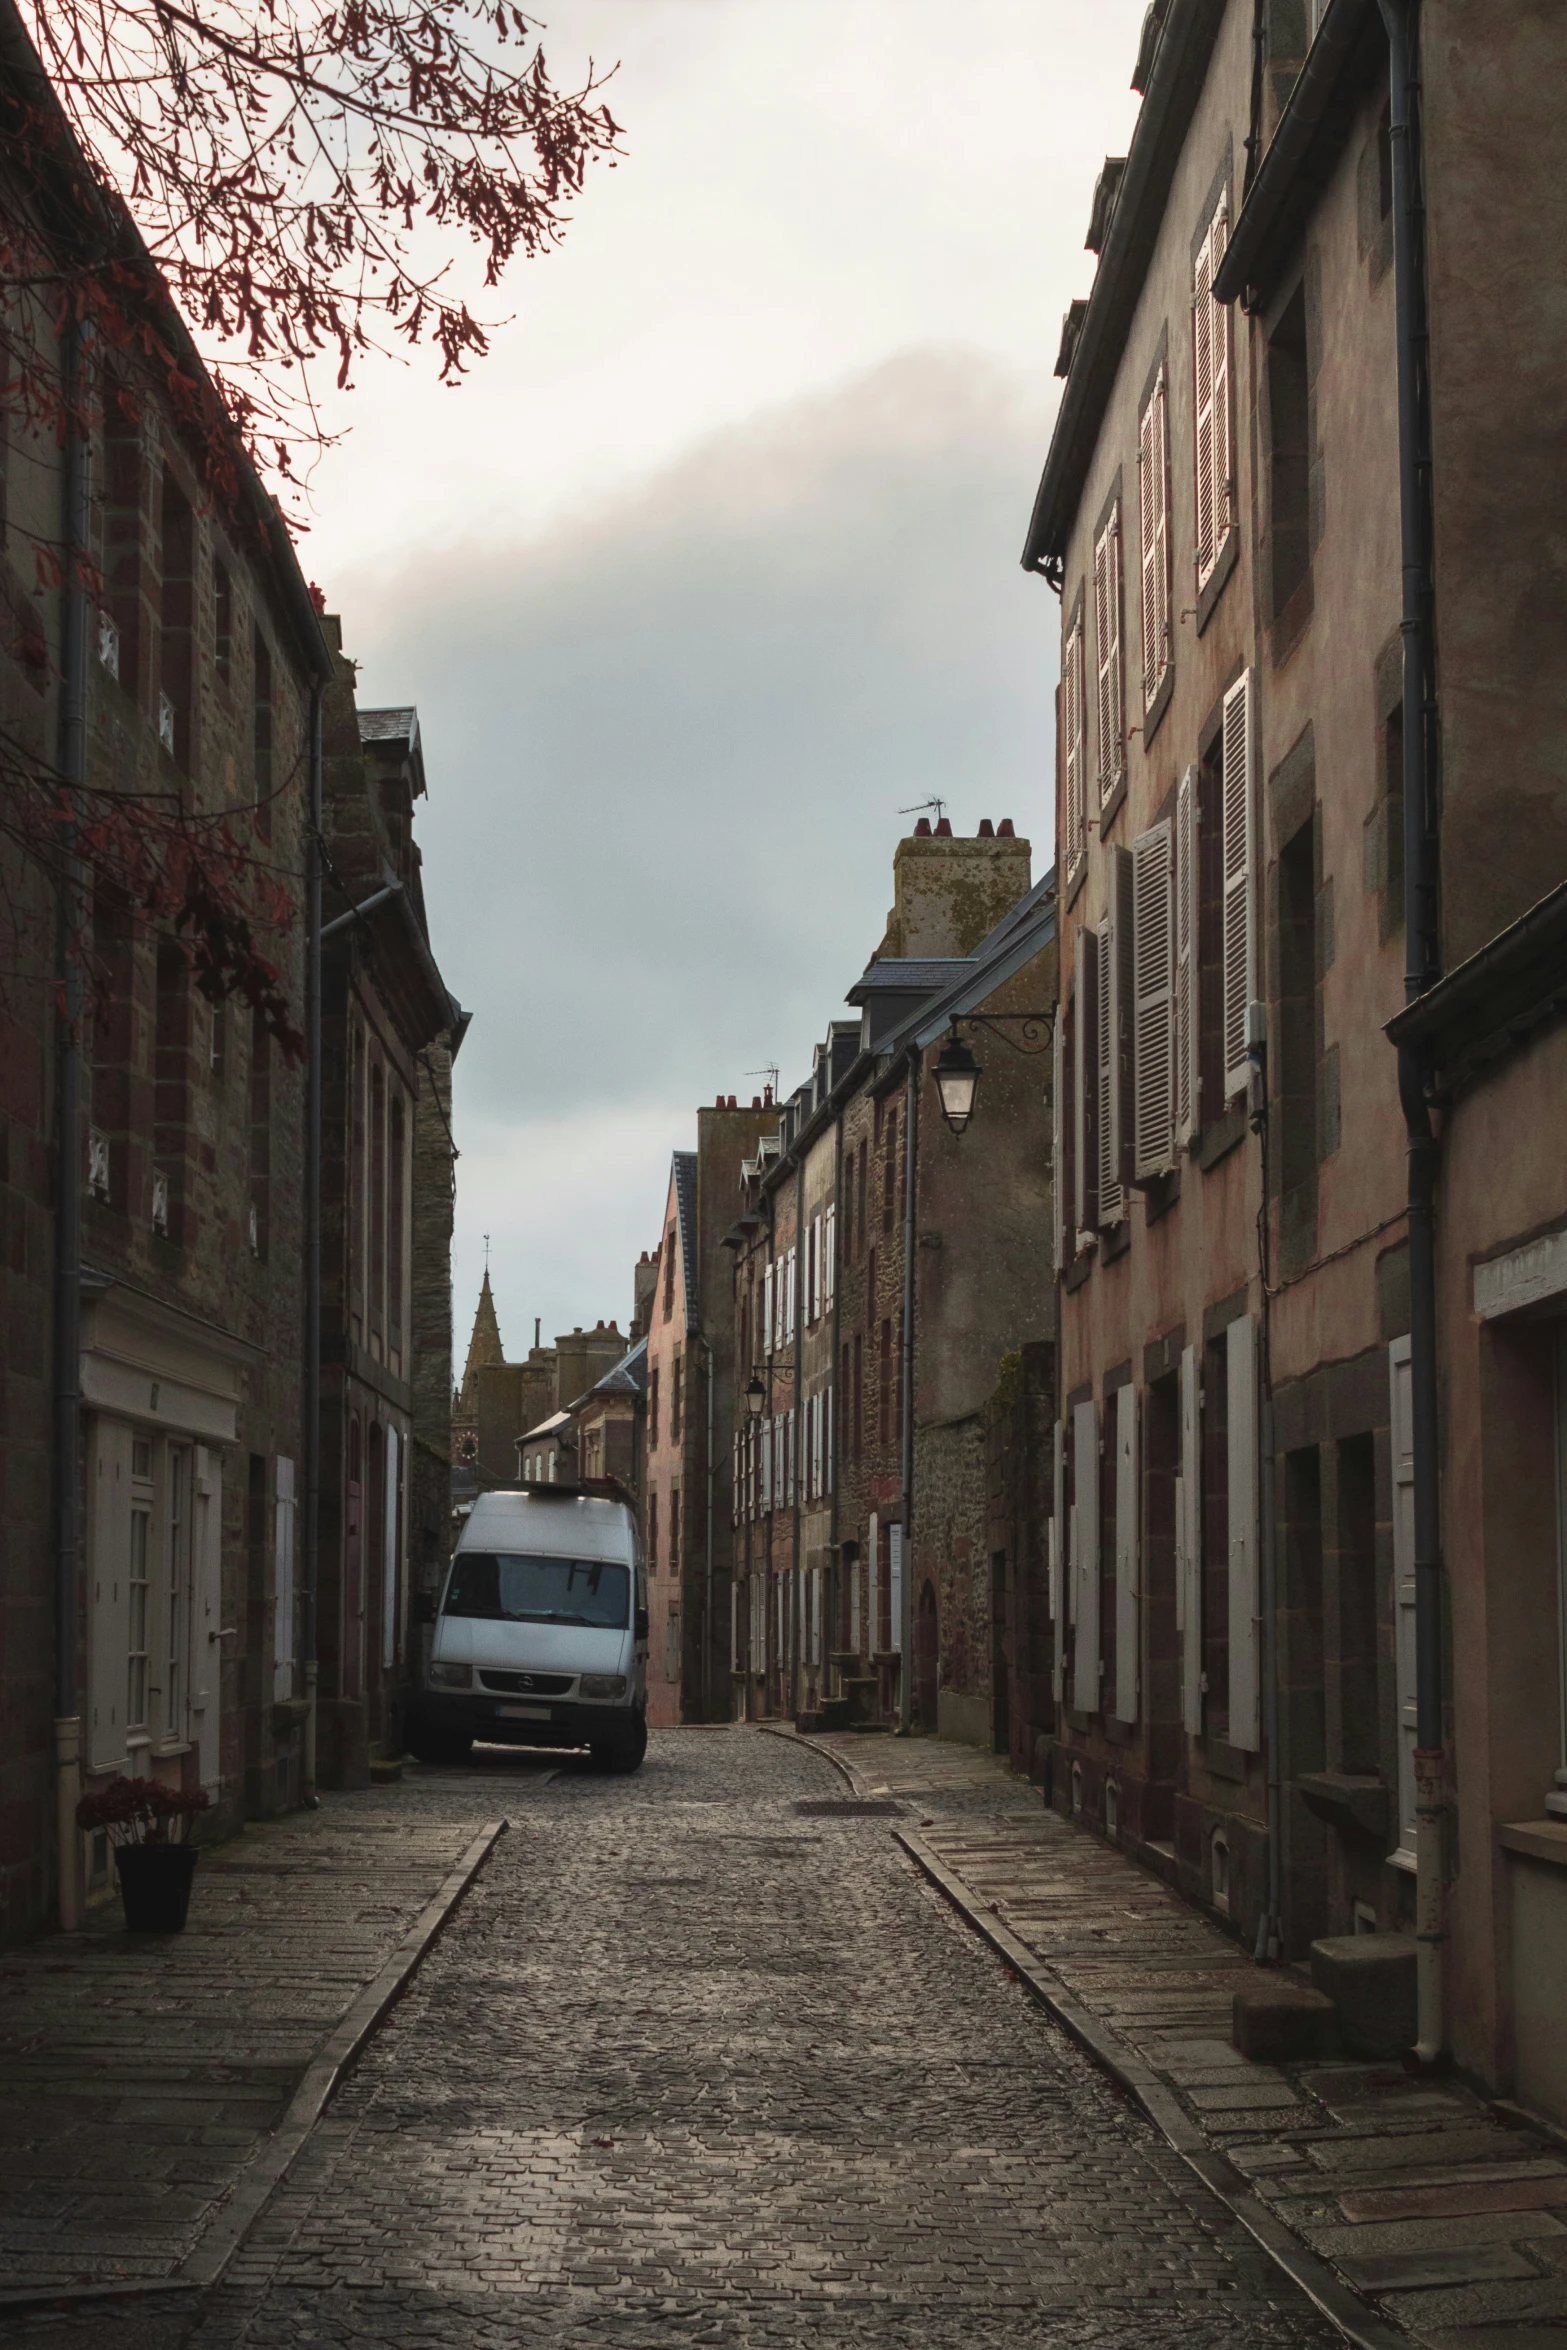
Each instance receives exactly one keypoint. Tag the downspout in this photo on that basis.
(76, 518)
(840, 1405)
(792, 1448)
(708, 1629)
(1422, 966)
(308, 1637)
(906, 1609)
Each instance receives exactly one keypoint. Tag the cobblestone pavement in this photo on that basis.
(692, 2064)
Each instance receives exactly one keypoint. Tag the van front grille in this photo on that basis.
(527, 1684)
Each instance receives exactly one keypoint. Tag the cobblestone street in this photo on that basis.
(692, 2063)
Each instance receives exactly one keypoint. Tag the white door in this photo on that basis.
(1403, 1445)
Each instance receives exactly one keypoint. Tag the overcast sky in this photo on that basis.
(712, 569)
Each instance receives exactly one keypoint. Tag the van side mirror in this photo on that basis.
(641, 1625)
(424, 1607)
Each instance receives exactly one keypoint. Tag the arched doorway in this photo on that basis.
(926, 1654)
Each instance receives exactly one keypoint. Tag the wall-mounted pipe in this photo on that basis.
(309, 1609)
(905, 1627)
(1422, 966)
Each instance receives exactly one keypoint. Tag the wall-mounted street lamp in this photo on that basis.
(957, 1078)
(755, 1397)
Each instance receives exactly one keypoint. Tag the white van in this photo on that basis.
(541, 1632)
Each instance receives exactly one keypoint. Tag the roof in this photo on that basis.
(906, 975)
(550, 1427)
(484, 1347)
(389, 726)
(629, 1376)
(1184, 44)
(683, 1176)
(1022, 933)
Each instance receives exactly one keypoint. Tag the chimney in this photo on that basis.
(947, 893)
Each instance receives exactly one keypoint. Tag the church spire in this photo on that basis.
(484, 1347)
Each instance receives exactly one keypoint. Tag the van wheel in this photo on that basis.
(439, 1746)
(623, 1754)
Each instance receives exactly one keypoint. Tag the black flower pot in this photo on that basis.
(155, 1882)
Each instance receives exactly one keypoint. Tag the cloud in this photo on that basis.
(668, 745)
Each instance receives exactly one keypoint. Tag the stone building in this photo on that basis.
(690, 1422)
(861, 1480)
(385, 1008)
(1307, 1500)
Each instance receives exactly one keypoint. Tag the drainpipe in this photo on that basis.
(708, 1630)
(840, 1406)
(910, 1178)
(313, 1135)
(796, 1423)
(76, 519)
(1422, 965)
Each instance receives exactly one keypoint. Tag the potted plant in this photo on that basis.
(148, 1825)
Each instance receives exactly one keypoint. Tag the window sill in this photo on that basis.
(1077, 1271)
(1537, 1840)
(1290, 625)
(1217, 1141)
(1228, 1762)
(1115, 1240)
(1111, 807)
(1160, 1194)
(1218, 579)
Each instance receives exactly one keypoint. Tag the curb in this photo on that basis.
(822, 1753)
(205, 2263)
(1316, 2279)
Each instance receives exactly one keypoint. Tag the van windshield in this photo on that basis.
(521, 1588)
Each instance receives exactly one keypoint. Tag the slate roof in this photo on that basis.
(906, 974)
(629, 1376)
(389, 726)
(684, 1176)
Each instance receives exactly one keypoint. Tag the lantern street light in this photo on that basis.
(957, 1076)
(755, 1397)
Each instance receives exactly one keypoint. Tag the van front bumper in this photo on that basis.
(498, 1721)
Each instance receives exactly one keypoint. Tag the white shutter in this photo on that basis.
(1127, 1555)
(1222, 331)
(1188, 1541)
(735, 1659)
(769, 1448)
(1404, 1679)
(827, 1441)
(1114, 1009)
(895, 1588)
(1085, 1512)
(1058, 1198)
(767, 1310)
(813, 1270)
(1072, 714)
(791, 1450)
(1153, 1003)
(108, 1558)
(1107, 654)
(789, 1309)
(854, 1607)
(1058, 1556)
(1241, 1446)
(1202, 408)
(830, 1254)
(1153, 462)
(817, 1432)
(873, 1586)
(1239, 928)
(1186, 1022)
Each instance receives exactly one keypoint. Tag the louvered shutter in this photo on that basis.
(1188, 1539)
(830, 1254)
(1401, 1400)
(1222, 332)
(828, 1441)
(768, 1286)
(1187, 1107)
(1127, 1555)
(764, 1497)
(1085, 1084)
(1085, 1491)
(1115, 945)
(1107, 654)
(1241, 1445)
(1153, 463)
(1239, 928)
(789, 1310)
(895, 1564)
(1072, 736)
(1202, 408)
(1058, 1199)
(818, 1431)
(1153, 1005)
(1058, 1557)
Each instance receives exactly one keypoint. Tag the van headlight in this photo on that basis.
(602, 1685)
(451, 1676)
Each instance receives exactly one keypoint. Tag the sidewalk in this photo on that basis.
(140, 2077)
(1430, 2207)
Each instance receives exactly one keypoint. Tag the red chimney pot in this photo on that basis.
(944, 828)
(1004, 829)
(987, 830)
(922, 829)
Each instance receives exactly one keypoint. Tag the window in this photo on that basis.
(120, 643)
(889, 1173)
(177, 596)
(674, 1529)
(885, 1384)
(261, 733)
(1212, 371)
(860, 1207)
(1070, 707)
(171, 1059)
(652, 1533)
(396, 1147)
(858, 1394)
(223, 620)
(676, 1397)
(1153, 488)
(652, 1410)
(669, 1272)
(139, 1593)
(377, 1267)
(1289, 456)
(170, 1715)
(1107, 655)
(1296, 1050)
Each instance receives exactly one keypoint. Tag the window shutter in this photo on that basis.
(1107, 654)
(1188, 1546)
(1153, 1007)
(873, 1585)
(1404, 1685)
(108, 1551)
(767, 1310)
(1072, 735)
(827, 1443)
(1241, 1434)
(1239, 929)
(1058, 1552)
(1085, 1085)
(1127, 1550)
(792, 1444)
(1186, 1025)
(818, 1432)
(789, 1309)
(1153, 466)
(895, 1588)
(1085, 1612)
(1202, 407)
(1115, 944)
(830, 1254)
(1221, 334)
(1058, 1201)
(734, 1480)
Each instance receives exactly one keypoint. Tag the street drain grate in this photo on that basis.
(846, 1807)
